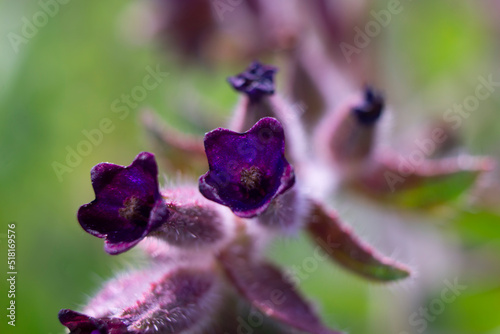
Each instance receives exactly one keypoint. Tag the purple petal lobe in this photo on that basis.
(247, 170)
(128, 204)
(256, 81)
(266, 288)
(343, 247)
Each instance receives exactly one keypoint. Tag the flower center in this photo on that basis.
(251, 178)
(134, 209)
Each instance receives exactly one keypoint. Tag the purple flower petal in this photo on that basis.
(266, 288)
(347, 250)
(128, 205)
(247, 170)
(256, 81)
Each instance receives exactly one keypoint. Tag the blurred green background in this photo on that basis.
(64, 80)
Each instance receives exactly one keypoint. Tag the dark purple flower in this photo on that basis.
(256, 81)
(247, 170)
(370, 110)
(128, 204)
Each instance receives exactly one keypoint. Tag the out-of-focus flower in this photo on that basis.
(346, 137)
(247, 171)
(347, 141)
(257, 85)
(370, 110)
(256, 81)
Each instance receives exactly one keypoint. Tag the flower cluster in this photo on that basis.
(270, 173)
(201, 238)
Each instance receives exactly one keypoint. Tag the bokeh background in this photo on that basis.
(64, 80)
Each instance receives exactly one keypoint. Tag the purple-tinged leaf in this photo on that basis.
(390, 173)
(268, 289)
(346, 249)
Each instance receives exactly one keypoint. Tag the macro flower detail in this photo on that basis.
(256, 81)
(128, 204)
(255, 205)
(247, 171)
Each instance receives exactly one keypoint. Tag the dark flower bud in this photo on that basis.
(256, 81)
(346, 137)
(369, 111)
